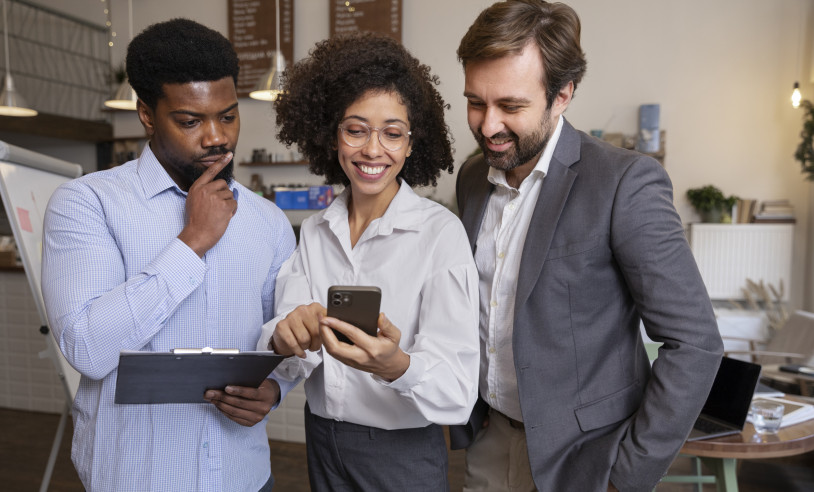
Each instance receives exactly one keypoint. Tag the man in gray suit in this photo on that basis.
(575, 242)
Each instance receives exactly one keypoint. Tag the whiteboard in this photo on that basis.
(27, 181)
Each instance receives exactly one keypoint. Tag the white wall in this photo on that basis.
(722, 72)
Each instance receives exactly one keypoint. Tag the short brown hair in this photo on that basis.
(506, 27)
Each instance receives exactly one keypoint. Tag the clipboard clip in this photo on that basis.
(205, 350)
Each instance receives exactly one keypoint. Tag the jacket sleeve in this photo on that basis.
(652, 252)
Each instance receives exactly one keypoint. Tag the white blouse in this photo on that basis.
(417, 253)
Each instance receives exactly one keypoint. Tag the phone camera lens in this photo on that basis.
(336, 302)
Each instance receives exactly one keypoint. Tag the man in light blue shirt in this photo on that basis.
(162, 252)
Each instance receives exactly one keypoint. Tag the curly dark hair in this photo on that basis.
(337, 73)
(176, 52)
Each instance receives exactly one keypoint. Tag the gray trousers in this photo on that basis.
(344, 457)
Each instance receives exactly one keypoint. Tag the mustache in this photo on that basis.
(503, 134)
(214, 152)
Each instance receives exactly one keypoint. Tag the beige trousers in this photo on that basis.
(498, 458)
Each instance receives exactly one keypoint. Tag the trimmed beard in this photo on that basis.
(524, 149)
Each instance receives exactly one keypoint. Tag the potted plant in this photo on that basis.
(805, 151)
(711, 204)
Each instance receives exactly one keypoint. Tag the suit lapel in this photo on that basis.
(478, 188)
(553, 195)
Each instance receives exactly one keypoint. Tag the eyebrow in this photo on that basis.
(504, 100)
(388, 122)
(193, 113)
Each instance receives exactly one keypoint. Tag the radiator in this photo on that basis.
(728, 254)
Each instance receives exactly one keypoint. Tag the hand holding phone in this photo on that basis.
(356, 305)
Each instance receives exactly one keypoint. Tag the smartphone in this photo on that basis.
(357, 305)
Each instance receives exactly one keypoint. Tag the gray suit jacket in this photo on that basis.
(605, 248)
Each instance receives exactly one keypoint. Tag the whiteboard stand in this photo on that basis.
(27, 181)
(52, 458)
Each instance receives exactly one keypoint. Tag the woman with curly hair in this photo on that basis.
(366, 114)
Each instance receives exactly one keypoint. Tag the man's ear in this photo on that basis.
(563, 99)
(146, 116)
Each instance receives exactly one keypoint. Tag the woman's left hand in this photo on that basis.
(379, 355)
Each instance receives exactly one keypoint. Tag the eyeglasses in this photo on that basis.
(357, 134)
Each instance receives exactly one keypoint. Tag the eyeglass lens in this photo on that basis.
(357, 134)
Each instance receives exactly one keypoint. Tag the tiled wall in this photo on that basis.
(28, 382)
(287, 423)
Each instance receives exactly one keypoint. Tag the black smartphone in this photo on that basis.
(357, 305)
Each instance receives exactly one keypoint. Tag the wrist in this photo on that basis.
(402, 363)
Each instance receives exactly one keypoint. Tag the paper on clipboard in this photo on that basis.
(184, 377)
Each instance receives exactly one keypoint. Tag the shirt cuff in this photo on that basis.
(411, 377)
(285, 387)
(181, 269)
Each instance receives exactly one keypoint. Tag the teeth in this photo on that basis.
(498, 141)
(371, 169)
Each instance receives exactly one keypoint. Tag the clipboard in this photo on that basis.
(184, 375)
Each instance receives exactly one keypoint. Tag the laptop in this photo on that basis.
(727, 405)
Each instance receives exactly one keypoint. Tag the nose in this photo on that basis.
(492, 123)
(373, 147)
(213, 135)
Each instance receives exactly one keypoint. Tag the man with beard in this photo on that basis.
(575, 242)
(162, 252)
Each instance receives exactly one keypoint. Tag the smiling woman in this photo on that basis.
(378, 232)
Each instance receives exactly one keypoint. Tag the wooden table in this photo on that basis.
(721, 454)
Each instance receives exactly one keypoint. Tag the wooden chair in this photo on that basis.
(791, 344)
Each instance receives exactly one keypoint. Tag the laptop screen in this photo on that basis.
(732, 391)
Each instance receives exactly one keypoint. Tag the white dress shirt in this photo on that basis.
(497, 255)
(116, 277)
(417, 253)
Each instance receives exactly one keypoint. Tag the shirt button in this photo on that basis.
(511, 206)
(191, 281)
(501, 255)
(493, 303)
(492, 396)
(206, 445)
(491, 350)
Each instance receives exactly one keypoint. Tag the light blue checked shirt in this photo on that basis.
(115, 277)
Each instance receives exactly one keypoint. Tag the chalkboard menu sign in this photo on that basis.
(252, 25)
(381, 16)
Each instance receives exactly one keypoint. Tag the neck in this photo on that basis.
(515, 177)
(364, 209)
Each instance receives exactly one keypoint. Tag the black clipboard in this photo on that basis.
(184, 375)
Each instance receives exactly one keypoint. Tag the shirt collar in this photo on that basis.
(498, 176)
(404, 211)
(154, 178)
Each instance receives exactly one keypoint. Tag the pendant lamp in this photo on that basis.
(125, 97)
(11, 102)
(269, 88)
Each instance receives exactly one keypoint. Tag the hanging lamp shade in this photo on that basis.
(11, 102)
(125, 97)
(269, 87)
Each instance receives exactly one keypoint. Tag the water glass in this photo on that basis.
(766, 416)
